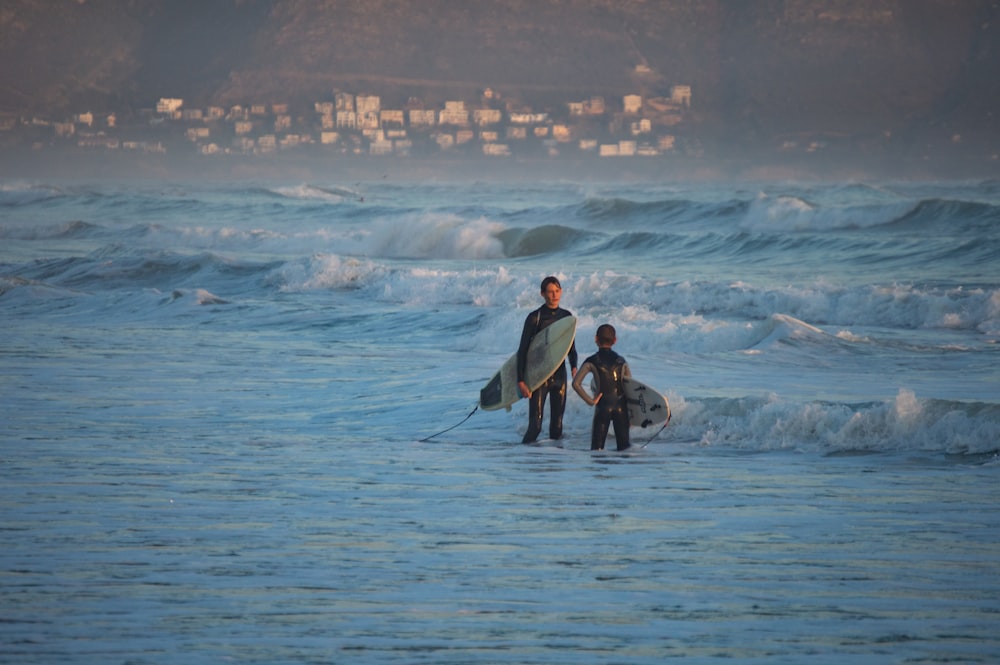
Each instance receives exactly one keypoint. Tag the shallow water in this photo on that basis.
(215, 401)
(303, 551)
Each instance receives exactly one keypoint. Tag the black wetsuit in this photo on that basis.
(555, 386)
(609, 368)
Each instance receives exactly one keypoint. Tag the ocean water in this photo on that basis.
(239, 424)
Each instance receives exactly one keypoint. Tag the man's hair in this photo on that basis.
(550, 280)
(606, 335)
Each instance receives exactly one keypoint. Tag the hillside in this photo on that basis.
(758, 69)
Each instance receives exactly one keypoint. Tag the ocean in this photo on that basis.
(240, 424)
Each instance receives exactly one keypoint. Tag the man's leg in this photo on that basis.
(535, 404)
(557, 402)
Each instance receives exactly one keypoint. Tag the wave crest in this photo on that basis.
(904, 423)
(545, 239)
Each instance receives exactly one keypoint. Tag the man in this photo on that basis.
(554, 387)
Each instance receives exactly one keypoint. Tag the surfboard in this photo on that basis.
(645, 405)
(546, 353)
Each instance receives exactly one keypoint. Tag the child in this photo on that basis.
(609, 404)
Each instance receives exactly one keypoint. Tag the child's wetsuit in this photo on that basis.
(609, 368)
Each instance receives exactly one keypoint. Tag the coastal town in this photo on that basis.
(493, 126)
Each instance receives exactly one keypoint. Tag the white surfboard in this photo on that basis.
(546, 353)
(645, 405)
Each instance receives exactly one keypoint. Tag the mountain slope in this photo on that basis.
(758, 68)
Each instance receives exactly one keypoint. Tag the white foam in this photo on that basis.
(434, 236)
(772, 422)
(317, 193)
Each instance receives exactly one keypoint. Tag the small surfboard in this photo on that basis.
(546, 353)
(645, 405)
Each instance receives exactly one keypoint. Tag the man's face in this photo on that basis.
(552, 294)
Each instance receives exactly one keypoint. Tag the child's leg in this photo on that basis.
(620, 419)
(599, 433)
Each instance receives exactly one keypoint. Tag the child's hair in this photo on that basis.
(606, 335)
(550, 280)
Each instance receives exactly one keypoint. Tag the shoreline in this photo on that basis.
(300, 166)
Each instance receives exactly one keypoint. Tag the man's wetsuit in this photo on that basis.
(609, 369)
(555, 386)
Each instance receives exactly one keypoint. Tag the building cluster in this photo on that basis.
(361, 124)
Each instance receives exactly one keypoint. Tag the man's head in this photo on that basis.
(551, 291)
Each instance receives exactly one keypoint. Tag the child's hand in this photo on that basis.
(597, 397)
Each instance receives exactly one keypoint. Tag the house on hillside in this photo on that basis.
(423, 118)
(454, 113)
(528, 118)
(681, 94)
(496, 150)
(347, 120)
(169, 105)
(392, 118)
(483, 117)
(343, 101)
(592, 106)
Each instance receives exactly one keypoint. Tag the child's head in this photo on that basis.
(606, 335)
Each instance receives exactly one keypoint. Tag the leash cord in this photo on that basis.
(452, 427)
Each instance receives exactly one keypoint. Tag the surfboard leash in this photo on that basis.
(453, 426)
(657, 433)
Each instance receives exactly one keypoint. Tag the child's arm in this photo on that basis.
(586, 369)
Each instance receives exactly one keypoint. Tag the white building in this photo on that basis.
(422, 118)
(368, 120)
(344, 101)
(496, 150)
(169, 105)
(483, 117)
(529, 118)
(368, 104)
(681, 94)
(391, 118)
(347, 119)
(641, 126)
(454, 113)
